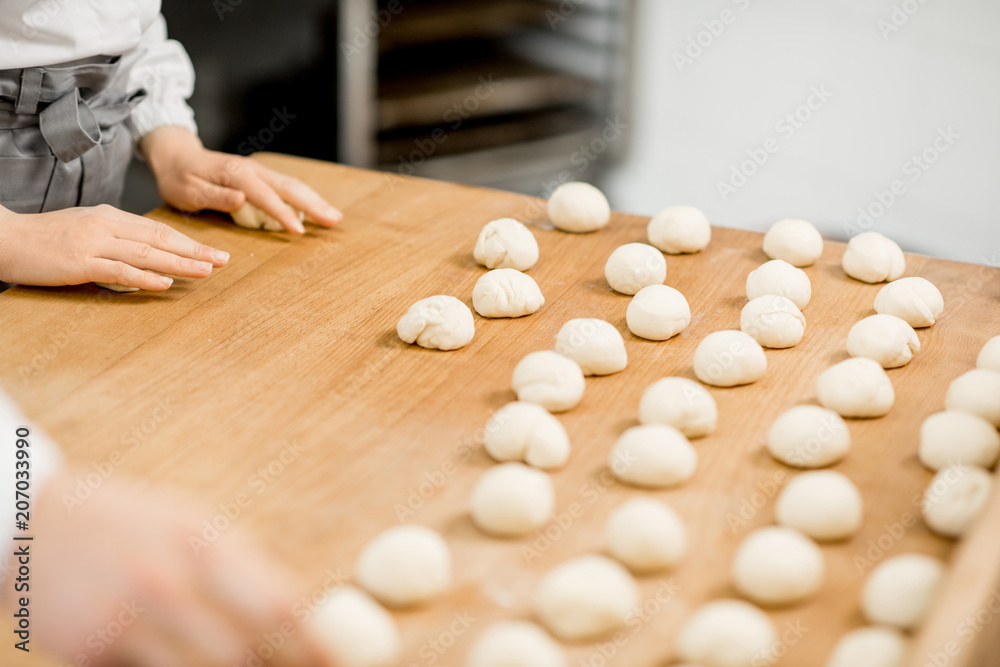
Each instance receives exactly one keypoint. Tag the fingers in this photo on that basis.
(144, 256)
(302, 197)
(164, 237)
(264, 197)
(119, 273)
(204, 194)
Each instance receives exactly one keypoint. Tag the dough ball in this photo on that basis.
(885, 338)
(115, 287)
(594, 344)
(681, 403)
(797, 242)
(521, 431)
(773, 321)
(548, 378)
(515, 644)
(251, 217)
(808, 436)
(354, 631)
(915, 300)
(729, 358)
(899, 591)
(506, 293)
(989, 355)
(506, 243)
(653, 456)
(872, 646)
(512, 499)
(976, 391)
(873, 258)
(646, 535)
(857, 387)
(823, 504)
(953, 436)
(679, 229)
(634, 266)
(405, 566)
(657, 312)
(439, 322)
(781, 278)
(777, 565)
(586, 597)
(727, 633)
(578, 207)
(955, 497)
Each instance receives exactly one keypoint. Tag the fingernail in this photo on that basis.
(331, 212)
(298, 226)
(220, 256)
(205, 266)
(166, 282)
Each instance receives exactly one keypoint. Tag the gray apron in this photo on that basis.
(63, 140)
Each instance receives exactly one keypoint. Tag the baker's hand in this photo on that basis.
(191, 178)
(98, 244)
(117, 579)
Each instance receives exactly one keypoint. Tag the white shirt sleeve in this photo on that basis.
(162, 67)
(44, 458)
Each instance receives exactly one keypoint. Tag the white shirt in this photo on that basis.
(38, 33)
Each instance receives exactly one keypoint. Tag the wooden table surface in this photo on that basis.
(281, 378)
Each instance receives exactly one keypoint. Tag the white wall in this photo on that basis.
(890, 97)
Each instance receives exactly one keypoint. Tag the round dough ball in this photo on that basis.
(808, 436)
(506, 243)
(634, 266)
(252, 217)
(653, 456)
(586, 597)
(515, 644)
(657, 312)
(823, 504)
(439, 322)
(681, 403)
(512, 499)
(915, 300)
(777, 565)
(578, 207)
(729, 358)
(773, 321)
(727, 633)
(506, 293)
(594, 344)
(679, 229)
(522, 431)
(646, 535)
(873, 258)
(955, 497)
(405, 566)
(548, 378)
(976, 391)
(781, 278)
(953, 436)
(885, 338)
(797, 242)
(989, 355)
(899, 591)
(354, 631)
(872, 646)
(857, 387)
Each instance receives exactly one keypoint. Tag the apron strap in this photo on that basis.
(30, 91)
(71, 128)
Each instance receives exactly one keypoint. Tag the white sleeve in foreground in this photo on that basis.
(162, 67)
(44, 457)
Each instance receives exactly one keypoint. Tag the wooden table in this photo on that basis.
(281, 377)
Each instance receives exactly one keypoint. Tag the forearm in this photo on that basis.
(165, 146)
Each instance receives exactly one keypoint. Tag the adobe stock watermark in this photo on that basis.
(790, 636)
(713, 28)
(638, 618)
(913, 169)
(750, 505)
(786, 127)
(900, 15)
(362, 36)
(280, 119)
(965, 632)
(99, 641)
(35, 19)
(432, 650)
(257, 483)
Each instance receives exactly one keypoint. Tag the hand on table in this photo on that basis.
(118, 582)
(191, 178)
(98, 244)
